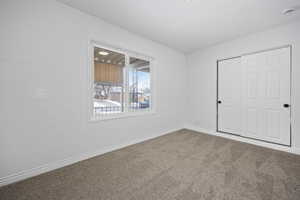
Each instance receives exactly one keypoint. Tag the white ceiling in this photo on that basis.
(188, 25)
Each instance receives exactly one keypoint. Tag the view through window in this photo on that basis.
(139, 84)
(121, 83)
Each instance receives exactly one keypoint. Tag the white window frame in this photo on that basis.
(128, 54)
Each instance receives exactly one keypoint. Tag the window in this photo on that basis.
(139, 84)
(121, 83)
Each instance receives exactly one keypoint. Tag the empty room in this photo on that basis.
(150, 100)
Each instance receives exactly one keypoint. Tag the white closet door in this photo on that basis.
(266, 96)
(230, 96)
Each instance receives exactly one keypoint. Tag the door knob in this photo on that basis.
(286, 105)
(219, 102)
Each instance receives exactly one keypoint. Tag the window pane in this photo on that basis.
(139, 84)
(108, 81)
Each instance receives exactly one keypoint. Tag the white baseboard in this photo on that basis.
(293, 150)
(71, 160)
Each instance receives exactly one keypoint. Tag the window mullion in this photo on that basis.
(126, 84)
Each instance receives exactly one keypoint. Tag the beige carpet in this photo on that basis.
(183, 165)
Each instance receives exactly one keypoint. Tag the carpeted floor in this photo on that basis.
(183, 165)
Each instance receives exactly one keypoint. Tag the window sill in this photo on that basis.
(120, 116)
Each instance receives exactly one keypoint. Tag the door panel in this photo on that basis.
(273, 124)
(229, 110)
(267, 79)
(251, 85)
(251, 119)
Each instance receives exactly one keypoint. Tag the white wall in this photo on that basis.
(43, 86)
(202, 74)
